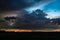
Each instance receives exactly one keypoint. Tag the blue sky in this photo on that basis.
(52, 8)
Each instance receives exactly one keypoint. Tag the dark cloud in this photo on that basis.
(34, 20)
(15, 4)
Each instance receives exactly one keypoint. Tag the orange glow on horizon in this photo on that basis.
(17, 30)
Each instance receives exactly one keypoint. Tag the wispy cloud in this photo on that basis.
(39, 5)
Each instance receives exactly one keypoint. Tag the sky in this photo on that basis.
(11, 5)
(15, 7)
(39, 5)
(7, 7)
(52, 8)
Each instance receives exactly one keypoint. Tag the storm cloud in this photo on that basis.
(9, 5)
